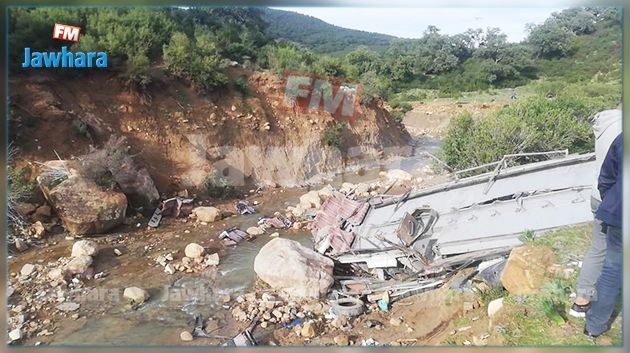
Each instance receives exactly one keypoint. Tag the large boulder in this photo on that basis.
(326, 192)
(310, 200)
(78, 265)
(83, 206)
(207, 214)
(255, 231)
(298, 271)
(194, 250)
(398, 174)
(525, 269)
(84, 248)
(136, 294)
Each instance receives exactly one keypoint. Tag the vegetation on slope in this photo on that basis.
(578, 46)
(319, 36)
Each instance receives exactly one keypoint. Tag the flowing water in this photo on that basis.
(174, 302)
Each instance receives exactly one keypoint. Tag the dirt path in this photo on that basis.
(432, 118)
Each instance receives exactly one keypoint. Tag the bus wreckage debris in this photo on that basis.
(406, 244)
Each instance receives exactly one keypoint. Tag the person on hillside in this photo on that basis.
(513, 93)
(609, 212)
(606, 126)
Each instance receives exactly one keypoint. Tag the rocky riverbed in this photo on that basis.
(136, 282)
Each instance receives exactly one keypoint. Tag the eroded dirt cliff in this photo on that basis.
(185, 136)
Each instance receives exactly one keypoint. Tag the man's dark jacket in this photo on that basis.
(609, 185)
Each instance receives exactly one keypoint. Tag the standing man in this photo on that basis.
(606, 126)
(609, 212)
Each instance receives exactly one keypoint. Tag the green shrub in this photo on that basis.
(242, 85)
(490, 294)
(406, 106)
(287, 57)
(19, 188)
(527, 237)
(138, 70)
(549, 89)
(397, 103)
(413, 95)
(332, 135)
(375, 85)
(536, 124)
(398, 116)
(219, 188)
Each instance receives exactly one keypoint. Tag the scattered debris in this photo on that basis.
(428, 236)
(373, 324)
(233, 234)
(277, 222)
(243, 339)
(173, 207)
(243, 207)
(490, 271)
(370, 342)
(347, 307)
(43, 211)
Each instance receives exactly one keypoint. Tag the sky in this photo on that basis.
(411, 22)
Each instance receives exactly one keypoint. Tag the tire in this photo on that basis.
(347, 307)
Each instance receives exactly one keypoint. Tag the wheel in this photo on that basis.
(347, 307)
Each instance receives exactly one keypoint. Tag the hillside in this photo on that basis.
(320, 36)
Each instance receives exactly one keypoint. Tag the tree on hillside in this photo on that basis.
(364, 60)
(127, 32)
(578, 20)
(611, 15)
(196, 59)
(550, 39)
(492, 45)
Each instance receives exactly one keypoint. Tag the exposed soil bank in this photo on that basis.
(184, 136)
